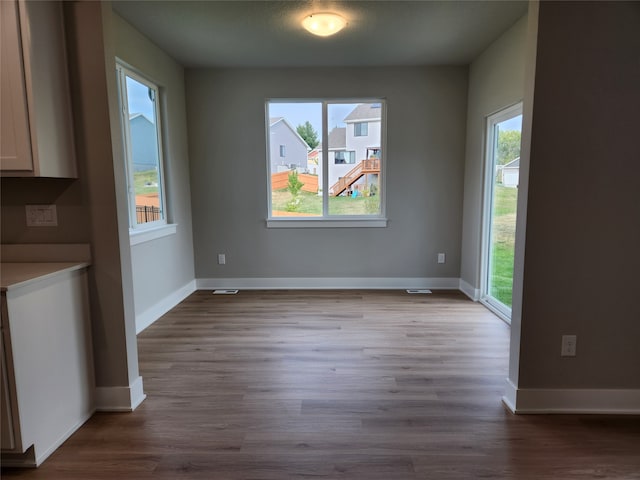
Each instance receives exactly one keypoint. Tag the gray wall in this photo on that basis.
(496, 81)
(426, 122)
(582, 250)
(162, 266)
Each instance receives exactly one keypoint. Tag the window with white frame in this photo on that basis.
(333, 170)
(343, 156)
(141, 131)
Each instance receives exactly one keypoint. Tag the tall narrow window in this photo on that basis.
(502, 177)
(142, 147)
(334, 159)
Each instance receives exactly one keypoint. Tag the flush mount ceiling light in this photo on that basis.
(324, 24)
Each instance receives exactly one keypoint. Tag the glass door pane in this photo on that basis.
(503, 168)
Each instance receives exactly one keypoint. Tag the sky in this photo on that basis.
(139, 101)
(514, 123)
(297, 113)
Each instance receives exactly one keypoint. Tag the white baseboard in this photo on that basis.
(120, 399)
(33, 459)
(572, 401)
(41, 457)
(343, 283)
(153, 313)
(469, 290)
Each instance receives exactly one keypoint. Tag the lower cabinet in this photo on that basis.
(47, 366)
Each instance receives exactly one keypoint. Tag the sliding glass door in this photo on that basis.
(502, 173)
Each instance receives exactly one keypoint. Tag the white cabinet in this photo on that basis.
(36, 124)
(48, 384)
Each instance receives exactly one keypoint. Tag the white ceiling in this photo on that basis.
(268, 33)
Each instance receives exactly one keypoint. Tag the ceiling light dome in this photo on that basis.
(324, 24)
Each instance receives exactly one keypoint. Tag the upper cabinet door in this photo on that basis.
(15, 144)
(37, 131)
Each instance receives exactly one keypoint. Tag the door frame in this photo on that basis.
(499, 308)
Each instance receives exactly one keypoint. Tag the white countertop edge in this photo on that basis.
(22, 274)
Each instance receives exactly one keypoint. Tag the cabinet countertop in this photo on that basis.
(15, 275)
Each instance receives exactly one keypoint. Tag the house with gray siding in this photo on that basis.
(144, 143)
(287, 149)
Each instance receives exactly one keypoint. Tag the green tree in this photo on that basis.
(508, 146)
(294, 184)
(308, 133)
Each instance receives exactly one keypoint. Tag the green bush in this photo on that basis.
(294, 184)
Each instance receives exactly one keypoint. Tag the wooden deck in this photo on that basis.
(365, 167)
(371, 385)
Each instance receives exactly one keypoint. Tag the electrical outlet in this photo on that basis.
(222, 259)
(41, 215)
(441, 258)
(569, 345)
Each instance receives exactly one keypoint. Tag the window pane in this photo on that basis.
(144, 148)
(361, 129)
(295, 159)
(354, 185)
(506, 168)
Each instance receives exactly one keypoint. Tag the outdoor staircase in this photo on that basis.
(371, 165)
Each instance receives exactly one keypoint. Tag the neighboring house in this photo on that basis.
(314, 163)
(287, 149)
(511, 173)
(348, 146)
(363, 129)
(144, 143)
(357, 141)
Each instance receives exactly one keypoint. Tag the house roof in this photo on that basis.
(512, 164)
(338, 137)
(365, 111)
(133, 116)
(274, 120)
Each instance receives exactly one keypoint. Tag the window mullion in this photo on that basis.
(325, 161)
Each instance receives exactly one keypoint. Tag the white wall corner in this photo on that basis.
(120, 399)
(327, 283)
(572, 401)
(153, 313)
(469, 290)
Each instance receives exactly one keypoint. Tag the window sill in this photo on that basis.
(326, 223)
(140, 236)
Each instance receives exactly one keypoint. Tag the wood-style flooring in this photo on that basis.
(370, 385)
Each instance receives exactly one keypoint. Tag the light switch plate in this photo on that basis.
(41, 216)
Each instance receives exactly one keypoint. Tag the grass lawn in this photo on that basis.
(141, 179)
(503, 242)
(311, 204)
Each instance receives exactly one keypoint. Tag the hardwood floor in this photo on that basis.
(335, 385)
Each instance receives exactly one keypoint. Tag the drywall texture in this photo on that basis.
(112, 320)
(69, 197)
(424, 178)
(161, 267)
(582, 254)
(496, 81)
